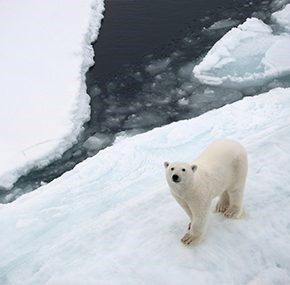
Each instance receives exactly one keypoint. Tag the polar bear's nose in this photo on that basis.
(175, 178)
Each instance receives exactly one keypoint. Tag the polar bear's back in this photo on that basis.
(223, 154)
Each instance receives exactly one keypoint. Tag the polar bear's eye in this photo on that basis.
(183, 169)
(172, 168)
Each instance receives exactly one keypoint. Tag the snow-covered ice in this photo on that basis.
(249, 55)
(44, 53)
(112, 220)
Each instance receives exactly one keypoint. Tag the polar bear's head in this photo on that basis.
(179, 174)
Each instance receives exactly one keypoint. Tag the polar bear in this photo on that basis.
(220, 170)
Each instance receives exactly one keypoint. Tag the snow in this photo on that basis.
(112, 220)
(271, 277)
(249, 55)
(44, 53)
(282, 17)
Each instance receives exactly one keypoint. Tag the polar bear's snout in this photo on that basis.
(176, 178)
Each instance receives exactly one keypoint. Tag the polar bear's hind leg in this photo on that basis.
(223, 203)
(236, 191)
(235, 209)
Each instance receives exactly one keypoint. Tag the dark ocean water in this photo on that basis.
(142, 74)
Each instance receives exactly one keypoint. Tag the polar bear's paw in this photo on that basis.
(189, 238)
(233, 212)
(222, 206)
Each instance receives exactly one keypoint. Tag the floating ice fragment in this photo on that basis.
(278, 4)
(183, 102)
(145, 119)
(95, 91)
(249, 55)
(222, 24)
(158, 66)
(185, 72)
(96, 142)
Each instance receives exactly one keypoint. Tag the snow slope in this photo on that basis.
(44, 53)
(112, 220)
(249, 55)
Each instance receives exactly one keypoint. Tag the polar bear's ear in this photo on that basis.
(166, 164)
(194, 167)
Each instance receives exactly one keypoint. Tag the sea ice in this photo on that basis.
(112, 220)
(249, 55)
(45, 52)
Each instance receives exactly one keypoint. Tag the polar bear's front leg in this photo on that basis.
(184, 205)
(197, 228)
(193, 236)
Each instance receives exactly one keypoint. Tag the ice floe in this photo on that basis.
(249, 55)
(45, 52)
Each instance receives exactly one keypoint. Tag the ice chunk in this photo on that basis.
(95, 91)
(185, 71)
(183, 102)
(96, 142)
(283, 17)
(145, 119)
(278, 4)
(158, 66)
(249, 55)
(222, 24)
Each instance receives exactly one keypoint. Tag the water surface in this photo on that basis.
(142, 79)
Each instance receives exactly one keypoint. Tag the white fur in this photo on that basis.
(220, 170)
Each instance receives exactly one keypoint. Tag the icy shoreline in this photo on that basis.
(46, 109)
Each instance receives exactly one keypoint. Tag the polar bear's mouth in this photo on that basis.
(176, 178)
